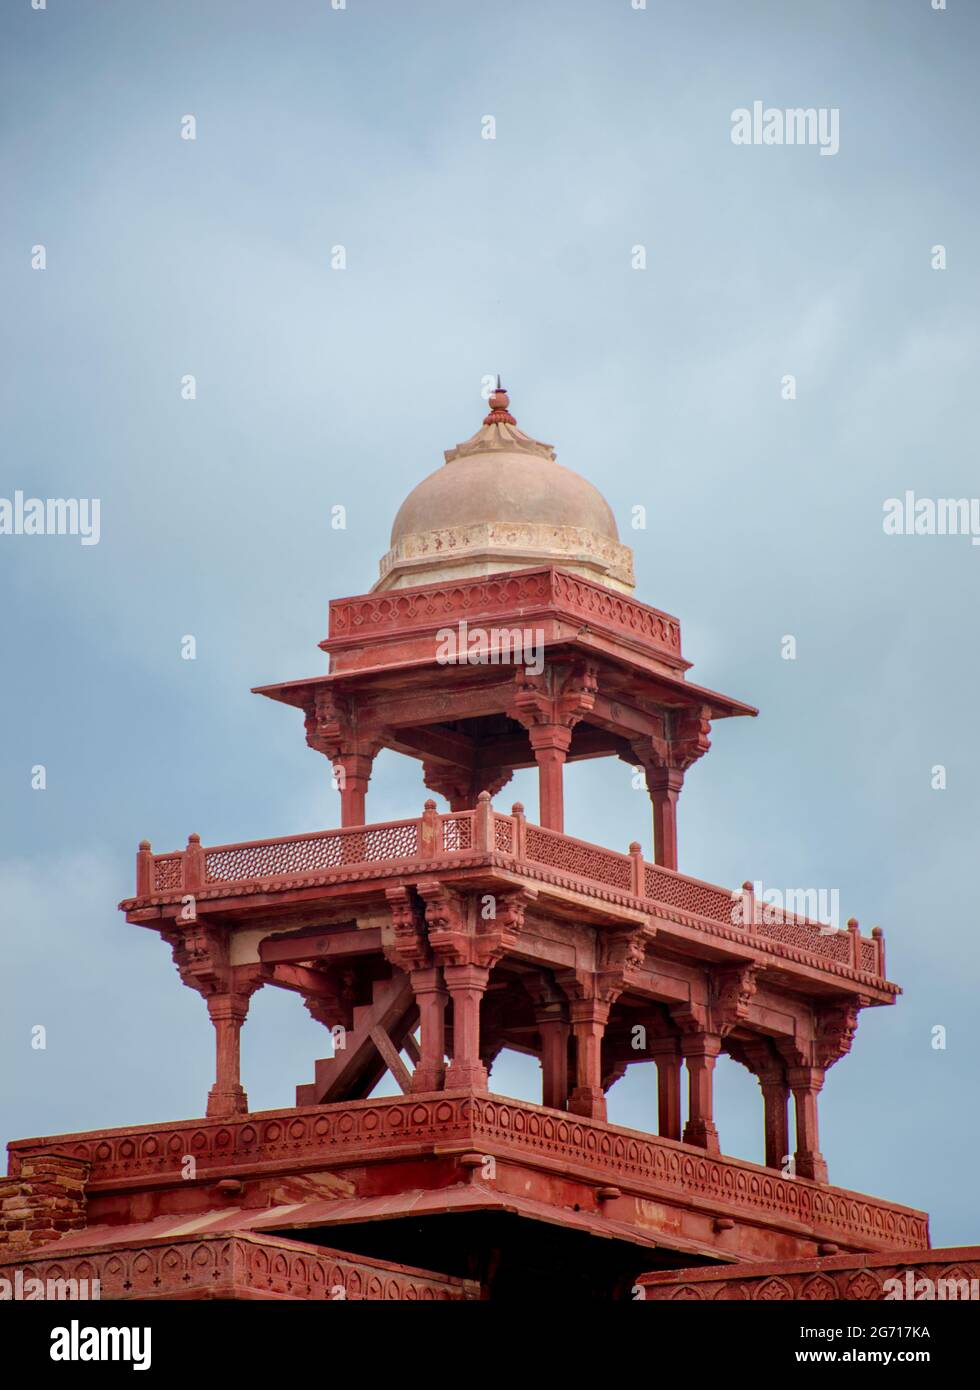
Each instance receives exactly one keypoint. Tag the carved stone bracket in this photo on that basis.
(836, 1026)
(498, 934)
(558, 696)
(408, 947)
(450, 939)
(731, 995)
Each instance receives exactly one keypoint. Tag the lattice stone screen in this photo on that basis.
(266, 859)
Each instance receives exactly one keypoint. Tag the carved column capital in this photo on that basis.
(557, 698)
(461, 786)
(689, 735)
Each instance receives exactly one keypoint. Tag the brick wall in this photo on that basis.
(43, 1201)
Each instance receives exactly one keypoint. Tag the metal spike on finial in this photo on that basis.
(499, 402)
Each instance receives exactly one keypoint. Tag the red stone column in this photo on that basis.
(226, 1097)
(667, 1056)
(664, 785)
(551, 743)
(775, 1100)
(589, 1019)
(806, 1083)
(354, 773)
(553, 1028)
(430, 995)
(700, 1051)
(467, 985)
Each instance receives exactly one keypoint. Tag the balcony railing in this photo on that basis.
(433, 835)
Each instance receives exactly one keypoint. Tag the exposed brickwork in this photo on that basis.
(44, 1200)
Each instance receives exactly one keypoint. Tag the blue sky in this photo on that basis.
(318, 387)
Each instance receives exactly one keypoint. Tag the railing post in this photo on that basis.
(878, 936)
(193, 865)
(638, 885)
(520, 827)
(430, 831)
(144, 870)
(855, 931)
(483, 837)
(748, 905)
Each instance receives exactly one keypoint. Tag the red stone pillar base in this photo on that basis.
(225, 1103)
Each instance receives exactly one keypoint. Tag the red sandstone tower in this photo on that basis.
(502, 634)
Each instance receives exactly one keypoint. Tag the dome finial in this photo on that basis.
(499, 413)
